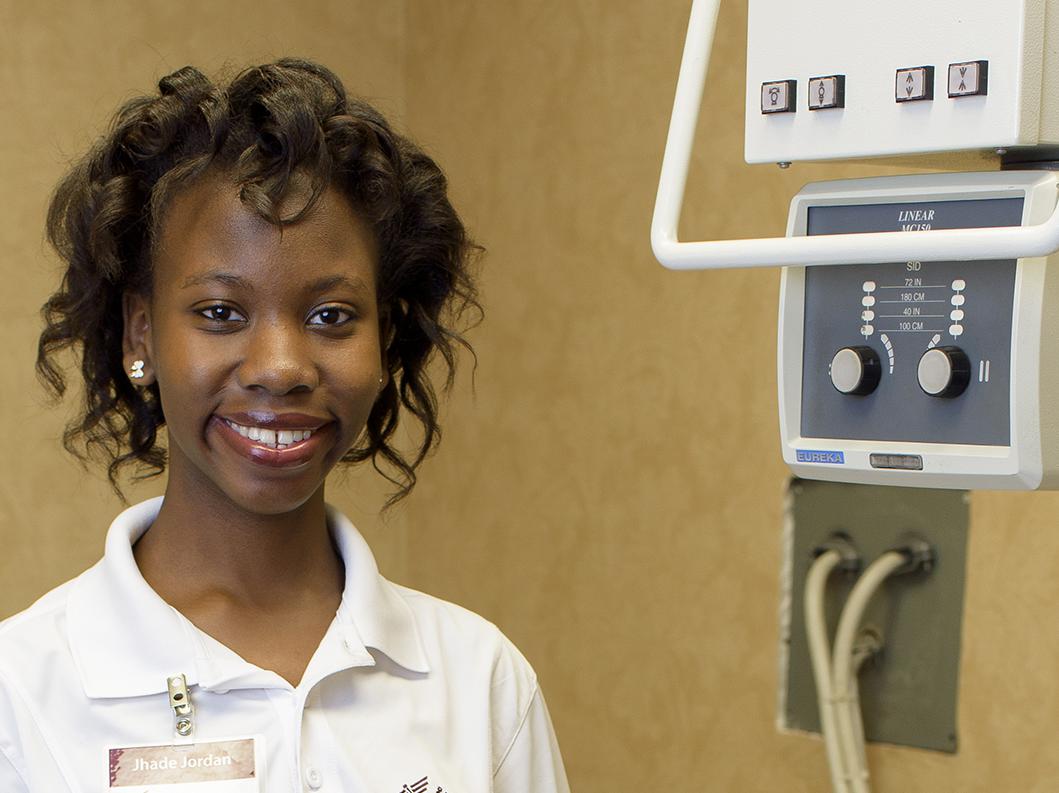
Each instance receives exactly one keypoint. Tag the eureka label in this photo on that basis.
(820, 456)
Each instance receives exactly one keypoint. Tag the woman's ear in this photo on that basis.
(386, 331)
(136, 339)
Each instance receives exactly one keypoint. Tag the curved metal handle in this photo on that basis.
(939, 245)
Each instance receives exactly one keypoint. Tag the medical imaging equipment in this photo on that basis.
(919, 314)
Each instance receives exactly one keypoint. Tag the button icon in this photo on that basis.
(968, 79)
(779, 96)
(827, 92)
(914, 84)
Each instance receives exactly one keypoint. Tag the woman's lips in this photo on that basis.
(294, 455)
(277, 421)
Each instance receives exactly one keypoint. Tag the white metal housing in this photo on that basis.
(867, 43)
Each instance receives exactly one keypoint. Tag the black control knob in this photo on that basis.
(856, 370)
(944, 372)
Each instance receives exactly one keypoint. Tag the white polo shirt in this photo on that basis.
(403, 688)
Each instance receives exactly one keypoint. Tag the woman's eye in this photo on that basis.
(330, 315)
(221, 313)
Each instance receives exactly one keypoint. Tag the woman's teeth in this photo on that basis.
(276, 440)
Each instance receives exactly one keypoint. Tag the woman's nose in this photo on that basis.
(278, 358)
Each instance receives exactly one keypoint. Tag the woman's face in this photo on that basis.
(266, 346)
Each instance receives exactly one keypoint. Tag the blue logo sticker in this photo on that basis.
(816, 456)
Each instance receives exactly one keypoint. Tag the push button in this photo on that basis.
(968, 79)
(827, 92)
(779, 96)
(915, 84)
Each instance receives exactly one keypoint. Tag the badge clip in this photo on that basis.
(180, 702)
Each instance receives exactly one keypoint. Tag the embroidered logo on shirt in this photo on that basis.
(422, 786)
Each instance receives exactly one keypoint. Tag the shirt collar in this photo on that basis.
(126, 640)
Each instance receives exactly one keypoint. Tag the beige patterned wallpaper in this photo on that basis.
(610, 491)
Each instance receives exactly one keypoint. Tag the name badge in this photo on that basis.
(224, 766)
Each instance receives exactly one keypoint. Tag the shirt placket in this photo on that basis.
(317, 766)
(318, 750)
(289, 706)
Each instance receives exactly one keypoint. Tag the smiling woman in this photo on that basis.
(280, 137)
(264, 269)
(275, 332)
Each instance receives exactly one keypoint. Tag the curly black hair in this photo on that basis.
(266, 129)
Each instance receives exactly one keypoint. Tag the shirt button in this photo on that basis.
(313, 778)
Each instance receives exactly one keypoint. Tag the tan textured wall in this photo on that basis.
(64, 68)
(612, 495)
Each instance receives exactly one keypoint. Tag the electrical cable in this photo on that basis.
(820, 655)
(867, 646)
(843, 685)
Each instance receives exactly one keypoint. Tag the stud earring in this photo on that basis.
(136, 372)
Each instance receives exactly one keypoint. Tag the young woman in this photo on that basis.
(265, 268)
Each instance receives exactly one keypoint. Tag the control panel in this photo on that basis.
(898, 78)
(920, 373)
